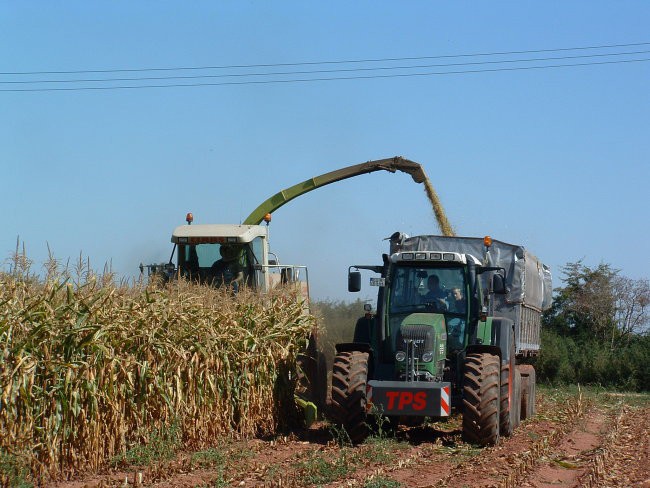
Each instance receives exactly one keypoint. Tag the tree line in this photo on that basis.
(596, 331)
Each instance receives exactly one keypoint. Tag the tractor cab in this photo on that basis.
(423, 313)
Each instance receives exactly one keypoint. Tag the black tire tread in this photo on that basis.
(505, 418)
(481, 382)
(349, 380)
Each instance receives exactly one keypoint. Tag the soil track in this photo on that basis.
(577, 439)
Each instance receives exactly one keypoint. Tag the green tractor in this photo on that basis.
(449, 334)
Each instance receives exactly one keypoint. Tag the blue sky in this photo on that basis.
(554, 159)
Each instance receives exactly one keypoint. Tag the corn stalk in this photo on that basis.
(89, 368)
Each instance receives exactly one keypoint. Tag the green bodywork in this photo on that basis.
(484, 331)
(436, 322)
(390, 164)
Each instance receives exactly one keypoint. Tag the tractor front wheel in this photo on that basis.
(349, 381)
(481, 399)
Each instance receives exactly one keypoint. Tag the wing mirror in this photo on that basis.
(498, 284)
(354, 281)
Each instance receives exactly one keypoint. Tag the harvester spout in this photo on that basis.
(411, 167)
(397, 163)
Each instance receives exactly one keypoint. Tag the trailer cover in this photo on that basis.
(527, 278)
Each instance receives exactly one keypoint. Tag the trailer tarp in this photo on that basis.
(528, 280)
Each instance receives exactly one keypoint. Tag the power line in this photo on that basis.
(306, 63)
(343, 70)
(306, 80)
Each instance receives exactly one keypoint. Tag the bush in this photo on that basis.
(567, 360)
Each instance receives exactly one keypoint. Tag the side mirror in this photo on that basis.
(498, 284)
(354, 281)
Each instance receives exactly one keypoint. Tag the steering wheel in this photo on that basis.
(437, 305)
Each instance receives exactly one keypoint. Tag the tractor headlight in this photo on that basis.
(400, 356)
(427, 357)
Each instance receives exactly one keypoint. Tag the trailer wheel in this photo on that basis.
(506, 396)
(524, 394)
(481, 399)
(528, 390)
(349, 380)
(515, 419)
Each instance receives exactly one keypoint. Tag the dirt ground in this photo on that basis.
(577, 439)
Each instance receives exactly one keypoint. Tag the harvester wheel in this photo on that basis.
(481, 399)
(505, 414)
(349, 380)
(528, 390)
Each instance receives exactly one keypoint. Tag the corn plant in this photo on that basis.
(89, 368)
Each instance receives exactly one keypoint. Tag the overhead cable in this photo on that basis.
(307, 80)
(339, 70)
(306, 63)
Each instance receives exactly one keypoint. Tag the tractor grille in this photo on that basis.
(415, 340)
(421, 335)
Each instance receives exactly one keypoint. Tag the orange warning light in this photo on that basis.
(487, 241)
(267, 218)
(189, 218)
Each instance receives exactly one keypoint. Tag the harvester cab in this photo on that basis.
(228, 255)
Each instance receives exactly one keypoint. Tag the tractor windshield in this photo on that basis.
(425, 289)
(417, 289)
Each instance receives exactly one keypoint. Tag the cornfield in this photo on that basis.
(89, 368)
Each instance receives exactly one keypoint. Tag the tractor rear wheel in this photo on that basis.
(481, 399)
(349, 380)
(528, 390)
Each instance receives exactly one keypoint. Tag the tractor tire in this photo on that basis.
(506, 395)
(481, 399)
(528, 390)
(348, 407)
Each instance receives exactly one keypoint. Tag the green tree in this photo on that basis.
(596, 331)
(600, 304)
